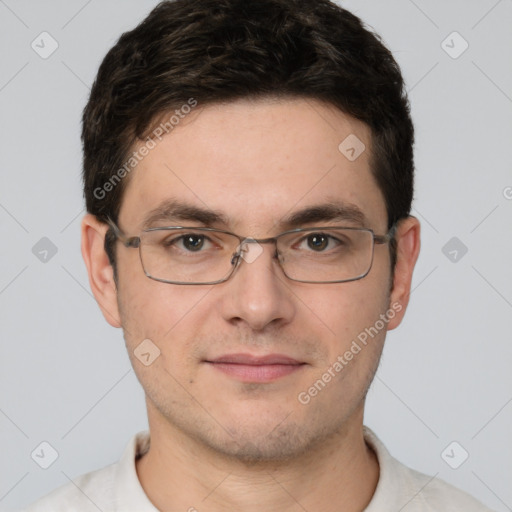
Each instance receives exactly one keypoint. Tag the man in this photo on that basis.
(248, 174)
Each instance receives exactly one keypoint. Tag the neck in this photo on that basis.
(178, 473)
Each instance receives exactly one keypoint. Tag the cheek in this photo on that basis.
(154, 310)
(341, 311)
(160, 313)
(353, 314)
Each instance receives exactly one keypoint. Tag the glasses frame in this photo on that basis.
(135, 243)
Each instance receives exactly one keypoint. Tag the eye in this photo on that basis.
(192, 242)
(320, 243)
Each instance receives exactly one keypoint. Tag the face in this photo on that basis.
(256, 163)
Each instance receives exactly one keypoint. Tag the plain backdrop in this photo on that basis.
(445, 377)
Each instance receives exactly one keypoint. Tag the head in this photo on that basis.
(239, 108)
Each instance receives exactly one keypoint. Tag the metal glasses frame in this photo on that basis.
(135, 242)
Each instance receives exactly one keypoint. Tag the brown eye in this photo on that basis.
(189, 242)
(193, 243)
(318, 241)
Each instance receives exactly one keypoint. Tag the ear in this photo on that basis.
(101, 273)
(408, 249)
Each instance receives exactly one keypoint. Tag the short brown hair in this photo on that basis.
(222, 50)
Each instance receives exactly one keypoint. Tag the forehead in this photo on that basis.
(256, 162)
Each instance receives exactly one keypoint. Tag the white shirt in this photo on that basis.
(116, 488)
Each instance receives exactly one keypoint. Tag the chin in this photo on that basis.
(267, 444)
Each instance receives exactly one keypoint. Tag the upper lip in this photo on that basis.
(250, 359)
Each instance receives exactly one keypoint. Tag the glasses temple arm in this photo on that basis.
(133, 241)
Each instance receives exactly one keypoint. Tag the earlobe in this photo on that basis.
(101, 275)
(408, 249)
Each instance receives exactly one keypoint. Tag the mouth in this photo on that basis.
(250, 368)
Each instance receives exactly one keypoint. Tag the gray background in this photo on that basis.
(445, 374)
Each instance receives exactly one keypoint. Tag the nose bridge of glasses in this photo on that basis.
(249, 249)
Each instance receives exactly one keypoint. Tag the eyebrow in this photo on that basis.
(174, 210)
(325, 212)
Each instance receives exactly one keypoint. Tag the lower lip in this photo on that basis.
(257, 373)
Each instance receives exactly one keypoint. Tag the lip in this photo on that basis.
(251, 368)
(249, 359)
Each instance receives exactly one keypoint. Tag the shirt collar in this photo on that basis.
(130, 495)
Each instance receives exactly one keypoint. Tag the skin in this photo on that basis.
(218, 443)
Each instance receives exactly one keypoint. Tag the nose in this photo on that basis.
(258, 293)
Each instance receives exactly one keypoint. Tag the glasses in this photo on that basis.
(199, 255)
